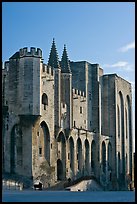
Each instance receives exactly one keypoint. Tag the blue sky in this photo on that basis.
(102, 33)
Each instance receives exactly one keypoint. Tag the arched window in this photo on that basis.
(44, 100)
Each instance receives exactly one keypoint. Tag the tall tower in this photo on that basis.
(54, 63)
(66, 84)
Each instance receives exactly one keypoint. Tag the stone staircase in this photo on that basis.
(58, 186)
(84, 183)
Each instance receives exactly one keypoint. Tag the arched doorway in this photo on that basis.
(59, 170)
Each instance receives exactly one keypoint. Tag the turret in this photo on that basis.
(66, 84)
(54, 63)
(65, 65)
(53, 57)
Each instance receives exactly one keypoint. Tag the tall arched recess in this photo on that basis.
(71, 149)
(104, 157)
(109, 156)
(122, 132)
(79, 154)
(16, 149)
(129, 130)
(44, 141)
(118, 121)
(93, 156)
(61, 156)
(87, 156)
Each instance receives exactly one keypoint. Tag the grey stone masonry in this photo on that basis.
(65, 120)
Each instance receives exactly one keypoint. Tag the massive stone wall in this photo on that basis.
(79, 110)
(71, 126)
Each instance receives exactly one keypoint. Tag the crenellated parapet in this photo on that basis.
(47, 72)
(24, 52)
(78, 94)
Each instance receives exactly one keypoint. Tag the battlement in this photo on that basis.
(47, 69)
(24, 52)
(78, 93)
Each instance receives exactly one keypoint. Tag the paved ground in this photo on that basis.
(67, 196)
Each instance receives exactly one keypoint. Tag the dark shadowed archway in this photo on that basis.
(79, 154)
(61, 154)
(87, 156)
(44, 141)
(71, 148)
(104, 156)
(118, 165)
(59, 170)
(109, 156)
(93, 156)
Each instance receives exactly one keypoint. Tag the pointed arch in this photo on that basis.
(44, 141)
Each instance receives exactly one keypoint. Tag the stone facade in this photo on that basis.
(65, 120)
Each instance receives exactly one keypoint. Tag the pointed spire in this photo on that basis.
(53, 57)
(65, 65)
